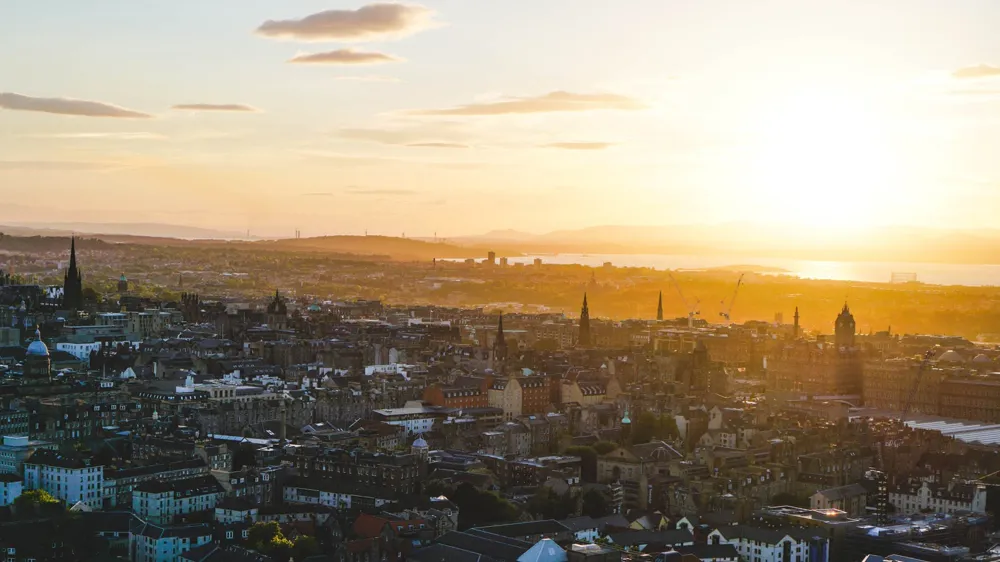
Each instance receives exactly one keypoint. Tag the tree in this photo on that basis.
(261, 534)
(595, 504)
(667, 428)
(588, 461)
(550, 505)
(644, 427)
(304, 547)
(604, 447)
(481, 508)
(33, 502)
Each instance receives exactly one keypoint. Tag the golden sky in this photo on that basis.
(462, 116)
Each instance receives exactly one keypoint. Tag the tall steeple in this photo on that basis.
(73, 281)
(584, 340)
(659, 307)
(500, 344)
(795, 329)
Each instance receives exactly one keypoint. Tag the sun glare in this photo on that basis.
(822, 154)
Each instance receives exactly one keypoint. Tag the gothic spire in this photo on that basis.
(659, 307)
(500, 343)
(584, 340)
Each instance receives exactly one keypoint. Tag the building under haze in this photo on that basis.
(819, 368)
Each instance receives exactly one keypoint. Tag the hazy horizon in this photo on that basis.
(460, 118)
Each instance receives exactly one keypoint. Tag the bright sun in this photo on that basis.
(825, 160)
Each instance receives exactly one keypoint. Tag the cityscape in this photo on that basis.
(522, 281)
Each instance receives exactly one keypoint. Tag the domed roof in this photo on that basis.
(123, 278)
(420, 443)
(38, 347)
(981, 358)
(951, 356)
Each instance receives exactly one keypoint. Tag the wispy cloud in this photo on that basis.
(232, 107)
(579, 145)
(374, 21)
(377, 191)
(977, 71)
(419, 137)
(369, 78)
(548, 103)
(101, 136)
(345, 57)
(438, 145)
(67, 106)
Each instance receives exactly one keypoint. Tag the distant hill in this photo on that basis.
(154, 230)
(396, 248)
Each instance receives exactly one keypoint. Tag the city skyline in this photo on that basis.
(459, 118)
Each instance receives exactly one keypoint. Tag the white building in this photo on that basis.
(328, 492)
(789, 544)
(10, 488)
(161, 502)
(940, 499)
(156, 543)
(66, 477)
(79, 350)
(415, 419)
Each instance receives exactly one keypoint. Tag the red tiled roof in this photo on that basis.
(368, 526)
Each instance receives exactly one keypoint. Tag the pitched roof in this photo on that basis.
(545, 550)
(368, 526)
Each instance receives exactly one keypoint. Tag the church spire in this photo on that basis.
(73, 281)
(584, 340)
(659, 307)
(500, 343)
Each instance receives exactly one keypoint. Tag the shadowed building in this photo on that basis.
(73, 282)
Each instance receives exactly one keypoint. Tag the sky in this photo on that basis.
(463, 116)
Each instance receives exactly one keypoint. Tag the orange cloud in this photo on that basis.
(374, 21)
(579, 145)
(344, 57)
(548, 103)
(235, 107)
(977, 71)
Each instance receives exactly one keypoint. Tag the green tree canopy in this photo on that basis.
(604, 447)
(595, 504)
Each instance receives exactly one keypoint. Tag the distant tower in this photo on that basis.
(844, 328)
(659, 307)
(795, 327)
(283, 430)
(180, 280)
(584, 340)
(73, 282)
(421, 449)
(500, 344)
(122, 285)
(626, 431)
(491, 258)
(277, 312)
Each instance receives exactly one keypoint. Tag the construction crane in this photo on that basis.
(881, 473)
(691, 308)
(729, 309)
